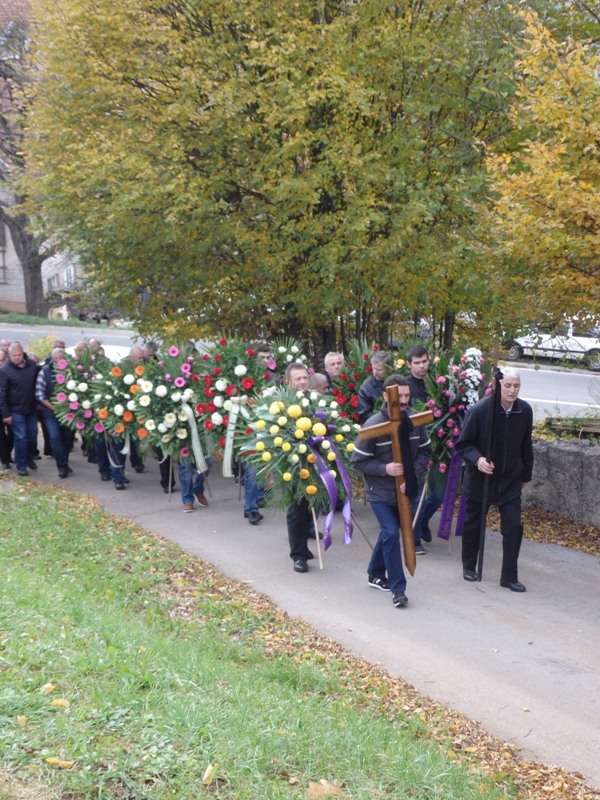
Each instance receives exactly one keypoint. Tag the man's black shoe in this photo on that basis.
(379, 583)
(514, 586)
(426, 533)
(69, 470)
(105, 476)
(470, 575)
(248, 515)
(63, 473)
(300, 565)
(124, 479)
(119, 486)
(400, 600)
(166, 489)
(254, 517)
(22, 473)
(31, 464)
(139, 468)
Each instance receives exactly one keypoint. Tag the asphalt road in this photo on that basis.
(551, 390)
(527, 666)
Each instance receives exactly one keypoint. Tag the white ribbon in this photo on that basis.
(235, 411)
(126, 448)
(201, 464)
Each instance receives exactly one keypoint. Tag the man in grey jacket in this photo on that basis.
(373, 457)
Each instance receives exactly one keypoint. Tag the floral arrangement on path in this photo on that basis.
(114, 401)
(164, 403)
(453, 384)
(75, 390)
(301, 446)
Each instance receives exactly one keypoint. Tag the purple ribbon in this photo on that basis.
(462, 513)
(329, 484)
(452, 485)
(347, 508)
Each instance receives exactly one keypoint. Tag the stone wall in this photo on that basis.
(566, 479)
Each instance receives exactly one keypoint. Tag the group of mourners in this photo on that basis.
(496, 466)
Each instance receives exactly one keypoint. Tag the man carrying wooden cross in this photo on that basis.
(392, 452)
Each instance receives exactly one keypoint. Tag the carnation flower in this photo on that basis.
(180, 382)
(83, 387)
(144, 400)
(170, 419)
(161, 391)
(181, 433)
(173, 351)
(118, 409)
(240, 370)
(221, 385)
(150, 425)
(128, 380)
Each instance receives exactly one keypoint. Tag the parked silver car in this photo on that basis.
(572, 339)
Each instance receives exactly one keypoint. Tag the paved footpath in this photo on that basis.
(526, 666)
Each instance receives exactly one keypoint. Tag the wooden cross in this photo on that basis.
(392, 429)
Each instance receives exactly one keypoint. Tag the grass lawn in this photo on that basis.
(129, 669)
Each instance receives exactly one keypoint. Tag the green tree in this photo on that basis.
(546, 208)
(270, 168)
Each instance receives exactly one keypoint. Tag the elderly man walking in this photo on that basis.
(18, 405)
(506, 469)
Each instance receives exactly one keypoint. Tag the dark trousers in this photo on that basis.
(59, 437)
(510, 528)
(167, 477)
(6, 443)
(298, 525)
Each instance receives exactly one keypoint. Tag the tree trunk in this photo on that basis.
(28, 251)
(449, 320)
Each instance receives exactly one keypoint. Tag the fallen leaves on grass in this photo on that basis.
(550, 528)
(323, 788)
(369, 686)
(59, 762)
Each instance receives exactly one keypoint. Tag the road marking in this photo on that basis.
(559, 402)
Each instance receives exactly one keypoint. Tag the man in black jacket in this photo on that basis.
(374, 458)
(18, 405)
(509, 468)
(371, 389)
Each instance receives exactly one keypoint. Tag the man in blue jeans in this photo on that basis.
(192, 484)
(18, 405)
(374, 458)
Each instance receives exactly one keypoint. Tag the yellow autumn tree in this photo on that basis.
(546, 208)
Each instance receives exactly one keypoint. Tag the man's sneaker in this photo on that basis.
(379, 583)
(400, 600)
(420, 550)
(426, 533)
(201, 499)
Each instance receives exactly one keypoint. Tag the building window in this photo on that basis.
(69, 277)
